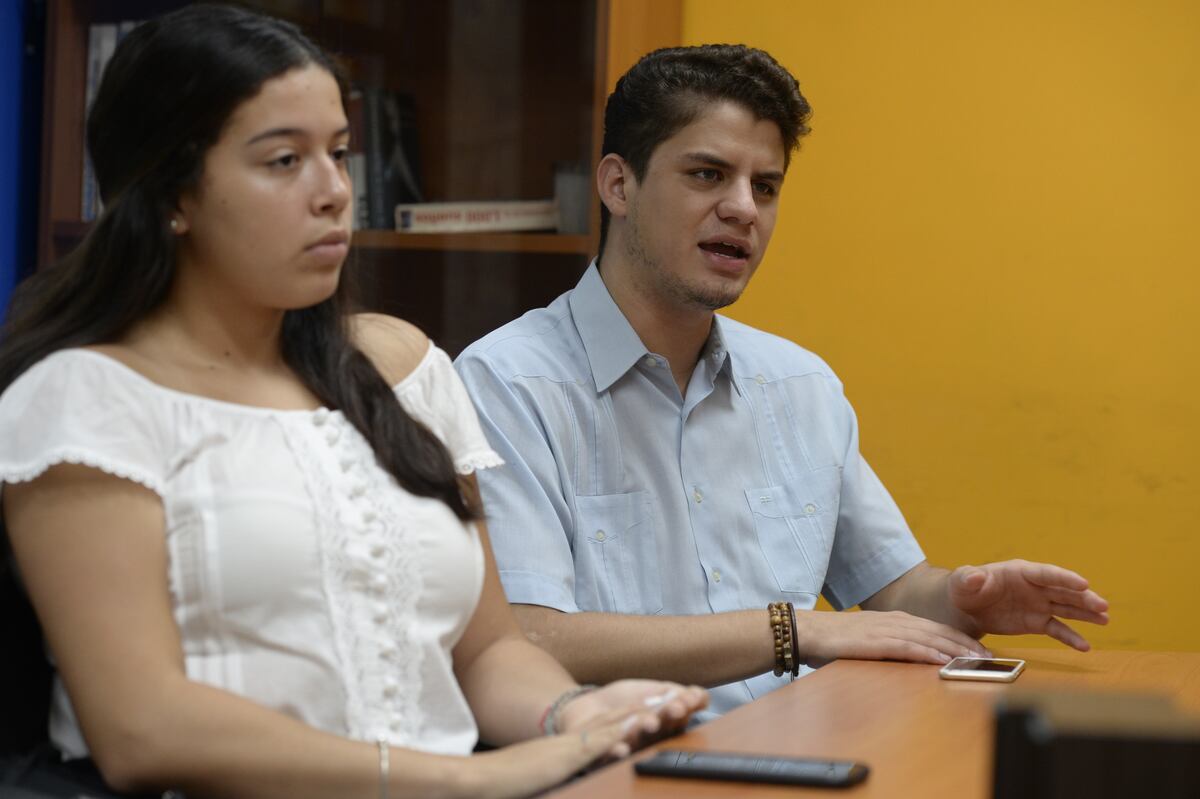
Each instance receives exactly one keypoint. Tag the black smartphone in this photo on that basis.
(753, 768)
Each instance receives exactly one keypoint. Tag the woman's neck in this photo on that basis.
(199, 325)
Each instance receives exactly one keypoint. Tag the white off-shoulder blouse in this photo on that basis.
(302, 576)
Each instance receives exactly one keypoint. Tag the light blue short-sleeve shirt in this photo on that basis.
(621, 496)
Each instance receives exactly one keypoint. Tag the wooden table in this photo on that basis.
(920, 735)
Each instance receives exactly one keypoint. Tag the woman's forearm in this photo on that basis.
(202, 739)
(509, 685)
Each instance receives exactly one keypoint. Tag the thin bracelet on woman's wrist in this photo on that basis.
(384, 767)
(549, 722)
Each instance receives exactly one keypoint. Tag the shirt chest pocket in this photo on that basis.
(795, 523)
(616, 554)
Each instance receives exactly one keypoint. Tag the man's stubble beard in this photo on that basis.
(650, 274)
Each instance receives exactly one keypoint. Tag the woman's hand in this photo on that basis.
(607, 723)
(654, 710)
(533, 766)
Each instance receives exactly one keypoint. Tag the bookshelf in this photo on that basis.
(503, 91)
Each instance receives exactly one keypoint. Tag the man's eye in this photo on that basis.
(766, 189)
(708, 175)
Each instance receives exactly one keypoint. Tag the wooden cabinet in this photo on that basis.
(504, 92)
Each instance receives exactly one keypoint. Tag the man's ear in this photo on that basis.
(616, 183)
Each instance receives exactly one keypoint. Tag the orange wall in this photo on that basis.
(991, 235)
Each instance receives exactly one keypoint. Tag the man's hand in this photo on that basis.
(1015, 596)
(880, 635)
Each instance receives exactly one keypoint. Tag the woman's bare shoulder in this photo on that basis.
(395, 347)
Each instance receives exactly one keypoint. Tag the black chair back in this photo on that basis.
(25, 674)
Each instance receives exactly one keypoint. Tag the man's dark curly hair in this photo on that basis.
(666, 90)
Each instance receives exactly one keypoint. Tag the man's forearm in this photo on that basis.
(923, 591)
(703, 650)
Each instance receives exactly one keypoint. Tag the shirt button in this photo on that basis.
(600, 536)
(319, 416)
(716, 575)
(381, 613)
(378, 550)
(810, 509)
(379, 582)
(696, 495)
(760, 379)
(651, 361)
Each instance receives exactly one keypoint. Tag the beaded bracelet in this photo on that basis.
(783, 628)
(549, 722)
(795, 642)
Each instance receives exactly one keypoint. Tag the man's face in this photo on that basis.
(700, 219)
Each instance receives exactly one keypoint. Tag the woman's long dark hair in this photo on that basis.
(165, 97)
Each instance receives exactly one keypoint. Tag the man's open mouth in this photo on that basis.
(724, 249)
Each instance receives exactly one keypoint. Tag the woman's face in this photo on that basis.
(269, 223)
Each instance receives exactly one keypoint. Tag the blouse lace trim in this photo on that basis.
(474, 461)
(25, 472)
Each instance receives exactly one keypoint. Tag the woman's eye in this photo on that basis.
(341, 153)
(289, 160)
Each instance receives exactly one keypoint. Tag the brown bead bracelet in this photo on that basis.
(783, 628)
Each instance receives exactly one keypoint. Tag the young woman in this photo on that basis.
(246, 519)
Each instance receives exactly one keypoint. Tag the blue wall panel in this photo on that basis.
(11, 56)
(21, 50)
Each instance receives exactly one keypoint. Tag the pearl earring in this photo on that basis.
(174, 225)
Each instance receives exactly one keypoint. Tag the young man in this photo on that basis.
(671, 472)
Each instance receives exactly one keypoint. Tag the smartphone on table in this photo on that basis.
(991, 669)
(753, 768)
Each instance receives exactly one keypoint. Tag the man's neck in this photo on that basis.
(678, 334)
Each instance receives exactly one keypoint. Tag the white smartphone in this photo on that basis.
(992, 669)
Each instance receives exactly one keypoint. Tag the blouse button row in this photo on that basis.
(377, 584)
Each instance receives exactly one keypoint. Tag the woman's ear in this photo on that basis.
(615, 182)
(180, 215)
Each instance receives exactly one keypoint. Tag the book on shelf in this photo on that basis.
(477, 217)
(356, 160)
(102, 43)
(390, 150)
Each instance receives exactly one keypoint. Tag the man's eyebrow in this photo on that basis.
(288, 132)
(708, 159)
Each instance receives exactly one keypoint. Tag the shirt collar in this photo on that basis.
(611, 343)
(613, 347)
(717, 353)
